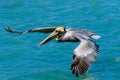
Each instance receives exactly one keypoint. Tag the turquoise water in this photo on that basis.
(22, 59)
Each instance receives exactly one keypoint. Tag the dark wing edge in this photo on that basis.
(82, 64)
(11, 31)
(79, 65)
(41, 30)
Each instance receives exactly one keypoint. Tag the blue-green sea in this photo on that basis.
(22, 59)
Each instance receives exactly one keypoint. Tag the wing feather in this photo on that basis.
(41, 30)
(84, 55)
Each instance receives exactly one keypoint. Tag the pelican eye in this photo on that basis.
(58, 31)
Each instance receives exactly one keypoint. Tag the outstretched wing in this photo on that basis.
(84, 55)
(41, 30)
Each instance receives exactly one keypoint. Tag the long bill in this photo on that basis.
(50, 37)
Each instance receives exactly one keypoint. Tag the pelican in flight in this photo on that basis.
(85, 53)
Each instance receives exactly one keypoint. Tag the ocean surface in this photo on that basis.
(22, 59)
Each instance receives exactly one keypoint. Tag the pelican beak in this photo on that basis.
(50, 37)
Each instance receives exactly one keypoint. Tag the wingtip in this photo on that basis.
(7, 29)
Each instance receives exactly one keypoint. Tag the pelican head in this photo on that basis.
(58, 32)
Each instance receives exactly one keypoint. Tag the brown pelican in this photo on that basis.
(84, 54)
